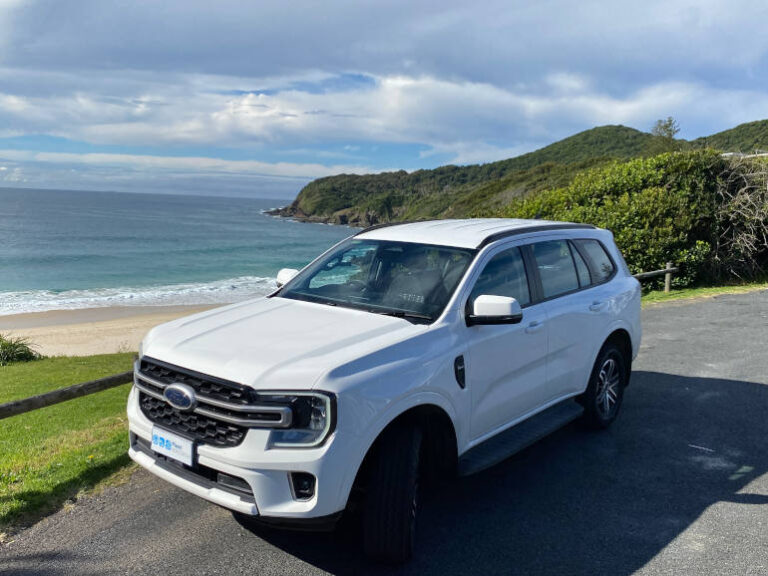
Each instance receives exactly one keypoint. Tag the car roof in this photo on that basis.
(466, 233)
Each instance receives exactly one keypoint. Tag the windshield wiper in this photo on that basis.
(403, 314)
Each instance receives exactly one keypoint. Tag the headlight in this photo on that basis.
(141, 349)
(312, 422)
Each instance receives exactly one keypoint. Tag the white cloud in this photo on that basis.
(13, 104)
(496, 41)
(189, 165)
(469, 121)
(14, 176)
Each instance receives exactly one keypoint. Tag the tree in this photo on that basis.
(665, 131)
(666, 128)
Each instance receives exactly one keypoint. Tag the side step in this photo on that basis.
(520, 436)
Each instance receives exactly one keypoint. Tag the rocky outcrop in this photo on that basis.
(346, 217)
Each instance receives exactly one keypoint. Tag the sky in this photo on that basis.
(259, 98)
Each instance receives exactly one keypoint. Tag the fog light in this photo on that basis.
(302, 485)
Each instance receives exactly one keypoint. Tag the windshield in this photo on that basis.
(414, 281)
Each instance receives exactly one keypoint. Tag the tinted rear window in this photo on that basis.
(600, 263)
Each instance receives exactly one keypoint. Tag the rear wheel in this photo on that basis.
(605, 392)
(392, 496)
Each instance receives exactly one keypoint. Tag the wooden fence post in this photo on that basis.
(668, 278)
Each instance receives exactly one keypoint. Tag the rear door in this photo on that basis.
(573, 277)
(506, 364)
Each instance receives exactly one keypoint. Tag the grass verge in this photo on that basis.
(658, 296)
(49, 456)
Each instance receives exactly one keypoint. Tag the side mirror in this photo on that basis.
(489, 309)
(285, 275)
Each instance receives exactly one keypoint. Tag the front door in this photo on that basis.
(506, 364)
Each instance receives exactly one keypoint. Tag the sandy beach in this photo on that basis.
(92, 330)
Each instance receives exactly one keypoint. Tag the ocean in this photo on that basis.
(72, 249)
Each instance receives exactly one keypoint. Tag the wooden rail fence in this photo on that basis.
(63, 394)
(666, 272)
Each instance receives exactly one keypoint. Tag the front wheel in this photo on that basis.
(605, 392)
(391, 501)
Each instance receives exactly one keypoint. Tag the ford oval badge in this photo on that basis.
(180, 396)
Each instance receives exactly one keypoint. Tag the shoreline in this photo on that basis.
(348, 217)
(88, 331)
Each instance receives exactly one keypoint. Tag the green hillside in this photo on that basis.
(461, 190)
(603, 141)
(746, 138)
(485, 189)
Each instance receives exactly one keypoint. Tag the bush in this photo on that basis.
(693, 263)
(741, 247)
(16, 349)
(671, 207)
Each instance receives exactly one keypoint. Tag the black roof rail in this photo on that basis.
(527, 230)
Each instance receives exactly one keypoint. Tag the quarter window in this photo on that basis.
(602, 267)
(504, 275)
(582, 270)
(556, 268)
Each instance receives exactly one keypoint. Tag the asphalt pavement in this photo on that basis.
(679, 485)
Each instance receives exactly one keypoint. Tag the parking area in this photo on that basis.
(679, 485)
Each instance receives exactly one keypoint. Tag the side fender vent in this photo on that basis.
(459, 370)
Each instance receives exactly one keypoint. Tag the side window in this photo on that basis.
(582, 270)
(601, 265)
(504, 275)
(556, 268)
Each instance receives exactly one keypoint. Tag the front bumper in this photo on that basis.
(254, 462)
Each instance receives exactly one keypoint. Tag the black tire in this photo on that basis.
(392, 496)
(605, 392)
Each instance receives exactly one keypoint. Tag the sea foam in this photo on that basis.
(216, 292)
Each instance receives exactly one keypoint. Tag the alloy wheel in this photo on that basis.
(608, 382)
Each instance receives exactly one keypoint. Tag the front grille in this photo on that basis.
(204, 385)
(199, 428)
(224, 410)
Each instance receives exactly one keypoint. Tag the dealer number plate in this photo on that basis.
(172, 445)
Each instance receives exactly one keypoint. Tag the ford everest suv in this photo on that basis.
(401, 355)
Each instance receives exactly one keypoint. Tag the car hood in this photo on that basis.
(274, 343)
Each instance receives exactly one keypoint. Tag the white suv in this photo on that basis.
(402, 354)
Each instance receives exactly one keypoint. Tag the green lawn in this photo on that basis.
(657, 296)
(47, 456)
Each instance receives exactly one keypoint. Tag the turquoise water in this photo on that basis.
(66, 249)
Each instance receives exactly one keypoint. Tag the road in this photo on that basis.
(678, 486)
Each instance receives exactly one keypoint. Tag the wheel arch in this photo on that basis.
(439, 444)
(622, 339)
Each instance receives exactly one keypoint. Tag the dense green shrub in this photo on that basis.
(16, 349)
(660, 209)
(695, 265)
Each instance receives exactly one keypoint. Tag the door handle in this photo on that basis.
(534, 326)
(597, 305)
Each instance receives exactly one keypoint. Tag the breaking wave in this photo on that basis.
(216, 292)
